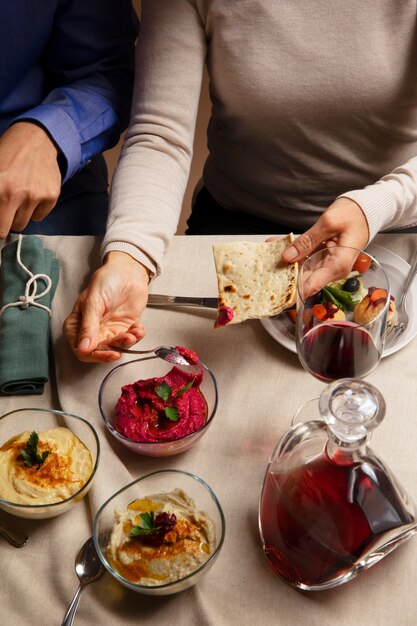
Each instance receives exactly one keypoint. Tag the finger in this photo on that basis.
(306, 243)
(89, 334)
(7, 212)
(125, 339)
(336, 265)
(22, 217)
(42, 210)
(99, 356)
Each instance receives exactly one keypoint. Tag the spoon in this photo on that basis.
(163, 352)
(88, 568)
(15, 537)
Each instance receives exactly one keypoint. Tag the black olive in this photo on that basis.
(314, 299)
(352, 284)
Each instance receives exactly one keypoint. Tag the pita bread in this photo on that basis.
(253, 281)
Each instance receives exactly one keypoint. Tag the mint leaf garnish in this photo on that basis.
(163, 391)
(182, 390)
(171, 412)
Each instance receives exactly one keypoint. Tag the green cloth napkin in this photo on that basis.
(25, 332)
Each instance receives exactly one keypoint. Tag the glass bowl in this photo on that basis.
(145, 368)
(39, 420)
(162, 481)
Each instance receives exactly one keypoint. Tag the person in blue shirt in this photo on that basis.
(66, 75)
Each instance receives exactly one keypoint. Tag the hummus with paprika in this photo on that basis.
(64, 471)
(160, 538)
(162, 409)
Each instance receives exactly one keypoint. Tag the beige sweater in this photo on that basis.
(311, 99)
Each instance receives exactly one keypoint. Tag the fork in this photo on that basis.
(397, 329)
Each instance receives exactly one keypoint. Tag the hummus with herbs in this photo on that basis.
(162, 409)
(160, 538)
(66, 468)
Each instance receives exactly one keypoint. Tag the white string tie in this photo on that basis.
(31, 294)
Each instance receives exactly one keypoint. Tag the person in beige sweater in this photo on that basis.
(313, 129)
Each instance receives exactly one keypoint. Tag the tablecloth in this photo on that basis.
(261, 384)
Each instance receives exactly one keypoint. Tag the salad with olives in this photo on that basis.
(350, 296)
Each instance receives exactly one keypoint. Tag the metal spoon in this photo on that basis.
(16, 538)
(164, 352)
(89, 568)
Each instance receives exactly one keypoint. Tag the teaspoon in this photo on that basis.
(16, 538)
(164, 352)
(88, 568)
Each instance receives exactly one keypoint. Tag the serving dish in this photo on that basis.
(40, 420)
(282, 329)
(143, 369)
(163, 481)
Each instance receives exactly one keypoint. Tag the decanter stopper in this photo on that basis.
(351, 408)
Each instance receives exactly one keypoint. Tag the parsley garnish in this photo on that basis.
(151, 529)
(146, 525)
(31, 455)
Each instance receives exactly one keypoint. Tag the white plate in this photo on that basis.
(281, 328)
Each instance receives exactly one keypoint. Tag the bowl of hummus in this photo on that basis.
(48, 460)
(156, 408)
(161, 533)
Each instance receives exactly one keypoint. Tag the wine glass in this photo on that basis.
(332, 343)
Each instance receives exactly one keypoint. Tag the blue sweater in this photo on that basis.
(68, 66)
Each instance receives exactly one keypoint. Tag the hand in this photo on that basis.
(342, 224)
(30, 179)
(109, 310)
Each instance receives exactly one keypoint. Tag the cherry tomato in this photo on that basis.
(362, 263)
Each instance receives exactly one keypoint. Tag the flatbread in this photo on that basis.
(253, 281)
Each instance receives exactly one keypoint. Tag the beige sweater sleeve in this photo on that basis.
(298, 120)
(391, 201)
(151, 177)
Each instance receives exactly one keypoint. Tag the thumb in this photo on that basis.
(306, 243)
(88, 336)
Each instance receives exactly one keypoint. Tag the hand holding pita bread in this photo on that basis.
(342, 224)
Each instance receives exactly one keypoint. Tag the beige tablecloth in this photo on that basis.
(261, 384)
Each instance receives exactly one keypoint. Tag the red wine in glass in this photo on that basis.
(320, 518)
(338, 350)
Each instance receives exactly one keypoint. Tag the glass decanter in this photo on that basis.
(330, 508)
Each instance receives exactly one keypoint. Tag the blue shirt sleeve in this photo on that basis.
(89, 65)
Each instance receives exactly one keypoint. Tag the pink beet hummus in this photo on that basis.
(141, 414)
(224, 316)
(190, 356)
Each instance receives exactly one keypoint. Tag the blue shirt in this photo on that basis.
(68, 66)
